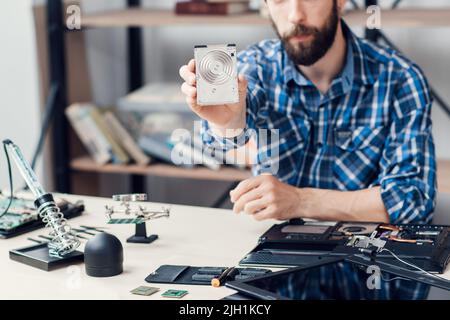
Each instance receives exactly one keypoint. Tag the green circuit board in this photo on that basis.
(126, 221)
(21, 211)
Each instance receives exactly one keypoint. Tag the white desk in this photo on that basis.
(191, 236)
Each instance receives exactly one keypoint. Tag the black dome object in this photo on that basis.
(103, 256)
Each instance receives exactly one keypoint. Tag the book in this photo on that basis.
(181, 153)
(159, 96)
(211, 8)
(119, 155)
(125, 139)
(151, 113)
(90, 135)
(159, 146)
(194, 155)
(155, 130)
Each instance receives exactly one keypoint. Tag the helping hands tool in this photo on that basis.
(140, 215)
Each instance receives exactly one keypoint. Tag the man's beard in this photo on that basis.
(307, 54)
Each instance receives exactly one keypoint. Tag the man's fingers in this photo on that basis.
(191, 65)
(187, 74)
(242, 83)
(243, 187)
(188, 90)
(242, 87)
(252, 195)
(255, 206)
(265, 214)
(183, 72)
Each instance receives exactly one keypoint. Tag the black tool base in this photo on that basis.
(141, 235)
(139, 239)
(37, 256)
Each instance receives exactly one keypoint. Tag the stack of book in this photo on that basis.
(103, 135)
(212, 7)
(157, 125)
(146, 125)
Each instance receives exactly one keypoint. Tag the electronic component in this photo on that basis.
(305, 229)
(63, 241)
(144, 290)
(171, 293)
(357, 228)
(19, 213)
(125, 221)
(366, 242)
(216, 74)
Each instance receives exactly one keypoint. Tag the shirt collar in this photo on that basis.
(356, 68)
(362, 63)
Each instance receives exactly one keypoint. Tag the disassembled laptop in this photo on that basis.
(299, 242)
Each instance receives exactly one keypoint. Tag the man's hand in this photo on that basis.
(220, 117)
(265, 197)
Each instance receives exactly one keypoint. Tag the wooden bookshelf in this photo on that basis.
(407, 18)
(82, 168)
(86, 164)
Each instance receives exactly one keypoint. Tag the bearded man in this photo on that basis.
(355, 140)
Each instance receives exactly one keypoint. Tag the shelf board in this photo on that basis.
(407, 18)
(86, 164)
(404, 18)
(151, 18)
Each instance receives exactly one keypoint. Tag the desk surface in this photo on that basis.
(191, 236)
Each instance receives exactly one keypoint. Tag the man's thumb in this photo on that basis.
(242, 85)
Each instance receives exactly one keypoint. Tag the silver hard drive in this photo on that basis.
(216, 74)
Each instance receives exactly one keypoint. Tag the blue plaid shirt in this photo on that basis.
(371, 128)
